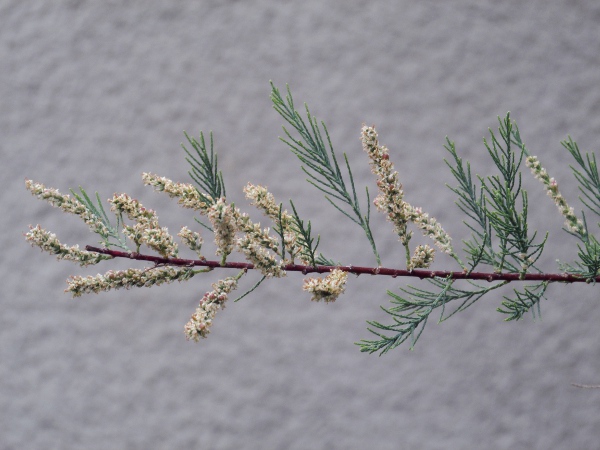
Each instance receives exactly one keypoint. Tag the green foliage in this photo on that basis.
(411, 313)
(204, 169)
(589, 179)
(524, 301)
(304, 238)
(323, 171)
(588, 265)
(497, 212)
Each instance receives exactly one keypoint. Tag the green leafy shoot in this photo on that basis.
(321, 165)
(304, 239)
(497, 213)
(321, 260)
(517, 251)
(588, 265)
(589, 179)
(473, 204)
(205, 172)
(99, 212)
(525, 301)
(411, 313)
(497, 209)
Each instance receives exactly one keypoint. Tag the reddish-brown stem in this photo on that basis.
(560, 277)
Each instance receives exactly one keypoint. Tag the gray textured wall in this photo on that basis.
(94, 93)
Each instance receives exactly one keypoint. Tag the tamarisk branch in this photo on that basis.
(357, 270)
(502, 247)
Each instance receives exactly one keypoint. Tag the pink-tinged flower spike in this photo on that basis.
(199, 325)
(572, 223)
(48, 242)
(68, 204)
(327, 289)
(391, 196)
(147, 229)
(188, 195)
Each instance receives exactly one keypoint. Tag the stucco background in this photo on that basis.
(94, 93)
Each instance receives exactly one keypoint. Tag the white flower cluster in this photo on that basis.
(391, 196)
(422, 257)
(572, 222)
(146, 230)
(429, 227)
(188, 195)
(327, 289)
(192, 239)
(201, 321)
(78, 285)
(255, 245)
(226, 221)
(48, 242)
(69, 205)
(262, 199)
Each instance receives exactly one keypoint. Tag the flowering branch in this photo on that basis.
(496, 209)
(356, 270)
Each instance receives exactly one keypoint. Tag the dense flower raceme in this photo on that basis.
(258, 246)
(572, 222)
(146, 230)
(201, 321)
(188, 195)
(391, 196)
(68, 204)
(255, 245)
(48, 242)
(422, 257)
(222, 218)
(118, 279)
(227, 220)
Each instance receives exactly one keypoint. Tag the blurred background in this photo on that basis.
(95, 93)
